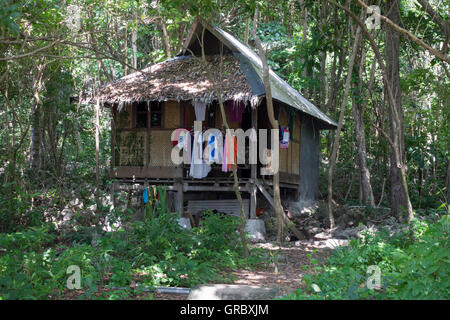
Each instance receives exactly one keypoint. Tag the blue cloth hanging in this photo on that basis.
(145, 195)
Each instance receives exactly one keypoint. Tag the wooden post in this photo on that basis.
(147, 146)
(113, 154)
(113, 140)
(254, 168)
(180, 200)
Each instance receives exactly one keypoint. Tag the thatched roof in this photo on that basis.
(181, 78)
(252, 66)
(238, 72)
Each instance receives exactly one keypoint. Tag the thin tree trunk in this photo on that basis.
(358, 109)
(181, 30)
(165, 37)
(247, 30)
(323, 92)
(399, 200)
(125, 50)
(133, 42)
(36, 125)
(218, 92)
(97, 137)
(395, 118)
(447, 182)
(8, 145)
(339, 128)
(276, 176)
(304, 38)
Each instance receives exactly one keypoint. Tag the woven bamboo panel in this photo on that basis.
(171, 114)
(160, 149)
(295, 157)
(131, 148)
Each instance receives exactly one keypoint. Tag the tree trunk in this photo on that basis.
(247, 30)
(339, 128)
(399, 199)
(97, 138)
(218, 92)
(125, 50)
(276, 176)
(8, 146)
(358, 109)
(35, 147)
(133, 42)
(165, 37)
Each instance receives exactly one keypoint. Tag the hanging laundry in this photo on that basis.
(199, 167)
(284, 140)
(183, 140)
(179, 138)
(200, 110)
(235, 152)
(235, 109)
(214, 151)
(145, 195)
(225, 154)
(229, 153)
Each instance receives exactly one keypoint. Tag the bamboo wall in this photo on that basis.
(290, 157)
(132, 144)
(152, 147)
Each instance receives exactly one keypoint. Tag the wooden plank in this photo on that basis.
(214, 188)
(289, 178)
(146, 172)
(113, 137)
(283, 159)
(254, 171)
(295, 157)
(147, 148)
(180, 197)
(265, 193)
(231, 206)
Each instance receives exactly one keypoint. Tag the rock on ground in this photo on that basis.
(231, 292)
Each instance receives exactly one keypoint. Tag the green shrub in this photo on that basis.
(155, 252)
(414, 264)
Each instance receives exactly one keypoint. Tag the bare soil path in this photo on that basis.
(288, 264)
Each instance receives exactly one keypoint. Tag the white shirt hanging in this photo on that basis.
(200, 110)
(199, 167)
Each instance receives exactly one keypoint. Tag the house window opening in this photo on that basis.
(155, 115)
(141, 115)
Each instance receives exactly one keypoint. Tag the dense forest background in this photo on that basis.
(52, 52)
(385, 79)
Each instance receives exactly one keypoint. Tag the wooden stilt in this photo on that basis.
(265, 193)
(253, 202)
(180, 199)
(253, 173)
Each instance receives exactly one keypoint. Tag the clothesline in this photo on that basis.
(221, 147)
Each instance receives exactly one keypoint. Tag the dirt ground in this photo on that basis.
(287, 266)
(285, 271)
